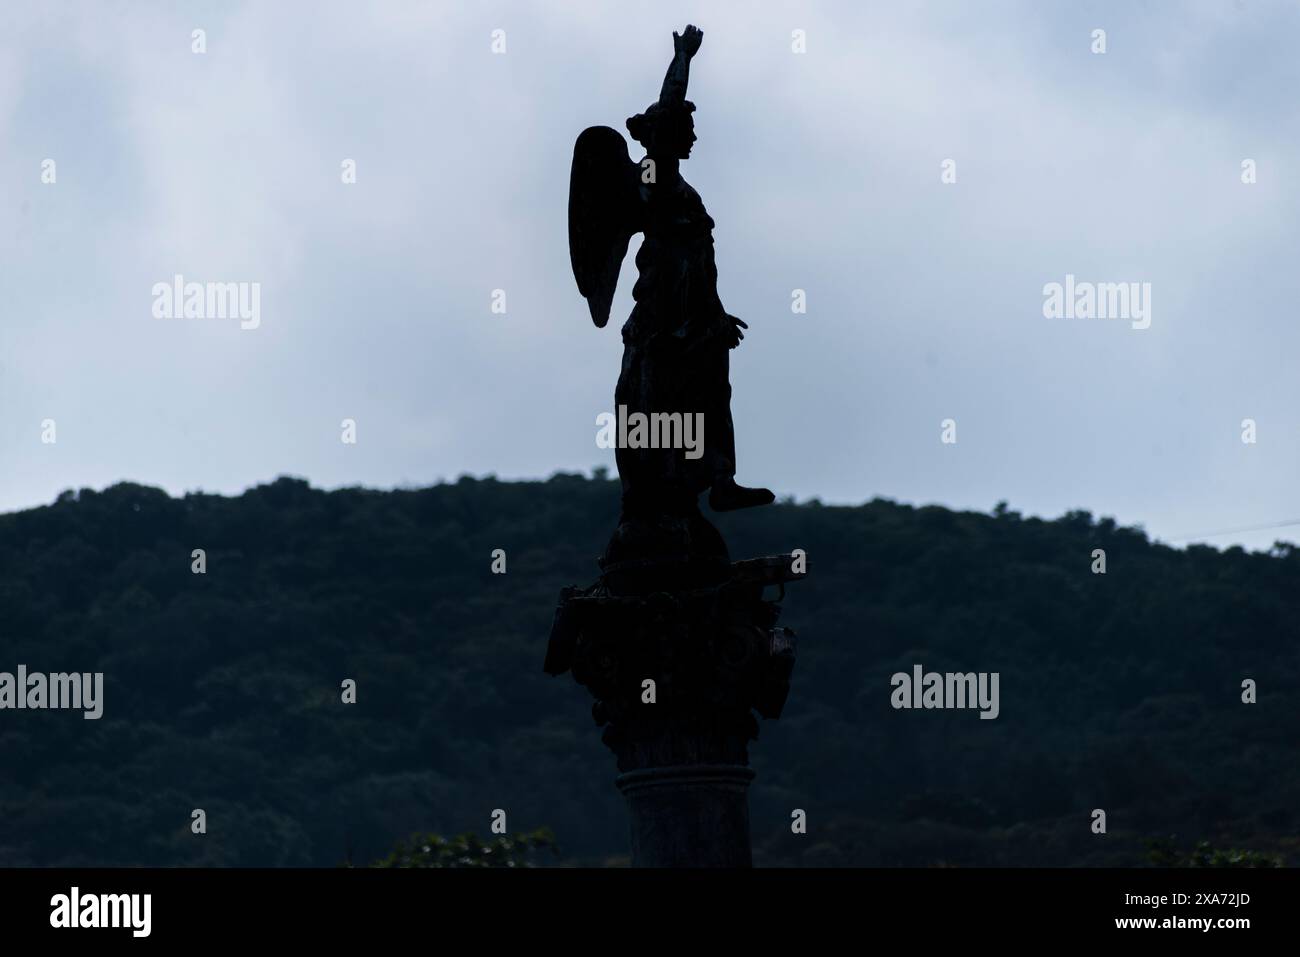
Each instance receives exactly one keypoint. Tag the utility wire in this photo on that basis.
(1235, 531)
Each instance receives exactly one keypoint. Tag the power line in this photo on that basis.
(1236, 531)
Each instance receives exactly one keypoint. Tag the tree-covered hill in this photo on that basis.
(1120, 691)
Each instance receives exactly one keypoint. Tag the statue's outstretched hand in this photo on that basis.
(726, 330)
(689, 40)
(734, 334)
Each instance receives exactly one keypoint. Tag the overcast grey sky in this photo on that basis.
(822, 170)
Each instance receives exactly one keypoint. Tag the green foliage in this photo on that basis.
(468, 850)
(1162, 852)
(222, 691)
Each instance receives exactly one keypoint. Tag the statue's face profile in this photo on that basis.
(676, 135)
(687, 138)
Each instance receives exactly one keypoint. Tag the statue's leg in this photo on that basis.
(720, 436)
(657, 479)
(627, 395)
(722, 429)
(662, 541)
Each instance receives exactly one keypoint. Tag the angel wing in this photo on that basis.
(604, 212)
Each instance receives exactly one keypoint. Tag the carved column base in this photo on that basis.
(678, 676)
(694, 815)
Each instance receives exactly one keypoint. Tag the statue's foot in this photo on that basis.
(727, 496)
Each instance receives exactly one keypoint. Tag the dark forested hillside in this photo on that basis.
(1120, 691)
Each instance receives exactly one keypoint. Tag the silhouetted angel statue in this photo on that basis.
(676, 342)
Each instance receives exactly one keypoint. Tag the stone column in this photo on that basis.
(689, 815)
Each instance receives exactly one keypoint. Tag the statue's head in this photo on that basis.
(665, 131)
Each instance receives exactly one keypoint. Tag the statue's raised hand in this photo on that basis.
(689, 40)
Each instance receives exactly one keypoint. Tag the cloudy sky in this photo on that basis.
(822, 170)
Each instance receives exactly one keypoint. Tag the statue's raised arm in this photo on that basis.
(685, 46)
